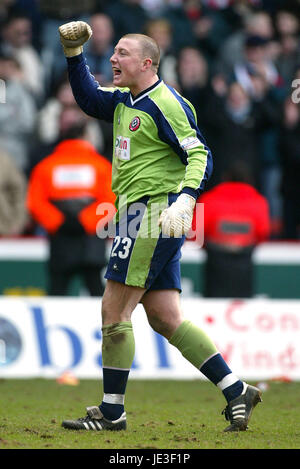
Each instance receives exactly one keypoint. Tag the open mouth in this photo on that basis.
(116, 72)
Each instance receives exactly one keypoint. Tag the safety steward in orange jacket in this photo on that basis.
(65, 189)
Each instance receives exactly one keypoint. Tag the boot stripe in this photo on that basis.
(238, 412)
(86, 425)
(238, 416)
(239, 406)
(98, 425)
(92, 425)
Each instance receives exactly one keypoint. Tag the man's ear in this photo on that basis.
(147, 63)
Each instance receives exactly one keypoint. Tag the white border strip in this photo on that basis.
(266, 253)
(32, 249)
(37, 249)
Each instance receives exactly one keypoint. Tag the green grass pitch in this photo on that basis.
(161, 415)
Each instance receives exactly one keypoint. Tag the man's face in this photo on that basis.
(127, 63)
(102, 32)
(18, 32)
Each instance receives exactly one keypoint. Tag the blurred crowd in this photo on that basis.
(237, 61)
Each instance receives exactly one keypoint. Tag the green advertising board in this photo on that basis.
(23, 269)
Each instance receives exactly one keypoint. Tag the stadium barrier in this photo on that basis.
(44, 337)
(23, 269)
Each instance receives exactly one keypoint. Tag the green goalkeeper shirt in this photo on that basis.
(157, 145)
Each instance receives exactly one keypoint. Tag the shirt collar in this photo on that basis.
(145, 92)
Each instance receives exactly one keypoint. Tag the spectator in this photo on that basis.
(259, 77)
(290, 160)
(13, 214)
(128, 16)
(30, 9)
(232, 51)
(68, 9)
(154, 8)
(247, 129)
(234, 120)
(193, 77)
(65, 189)
(267, 101)
(177, 15)
(51, 116)
(57, 120)
(211, 26)
(256, 62)
(53, 14)
(236, 219)
(17, 115)
(5, 6)
(58, 11)
(288, 34)
(161, 31)
(48, 117)
(100, 48)
(17, 42)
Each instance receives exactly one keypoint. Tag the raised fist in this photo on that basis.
(73, 35)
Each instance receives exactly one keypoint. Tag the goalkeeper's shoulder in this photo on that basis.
(172, 105)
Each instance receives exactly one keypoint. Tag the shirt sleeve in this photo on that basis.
(178, 128)
(95, 100)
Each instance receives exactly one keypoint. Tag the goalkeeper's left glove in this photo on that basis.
(176, 220)
(73, 35)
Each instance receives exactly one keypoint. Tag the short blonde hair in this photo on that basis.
(149, 48)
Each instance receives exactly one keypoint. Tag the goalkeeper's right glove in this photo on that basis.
(73, 35)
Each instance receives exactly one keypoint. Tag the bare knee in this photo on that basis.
(118, 302)
(111, 314)
(159, 325)
(164, 322)
(163, 311)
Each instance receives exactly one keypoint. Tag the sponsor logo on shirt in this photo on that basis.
(135, 123)
(190, 142)
(122, 148)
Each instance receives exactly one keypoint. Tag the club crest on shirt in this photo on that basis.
(135, 123)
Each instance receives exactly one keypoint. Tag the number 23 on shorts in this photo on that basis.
(121, 247)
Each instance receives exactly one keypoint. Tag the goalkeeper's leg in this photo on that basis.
(118, 344)
(118, 302)
(165, 316)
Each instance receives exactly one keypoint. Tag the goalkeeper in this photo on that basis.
(160, 166)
